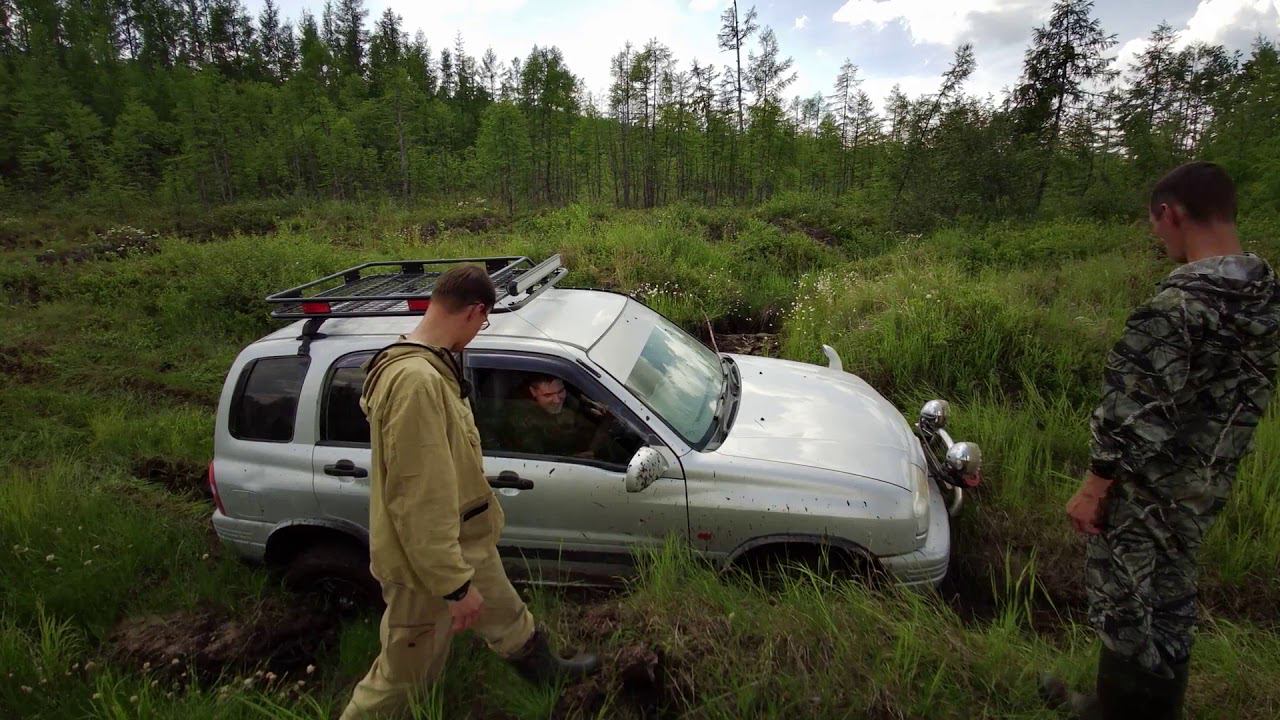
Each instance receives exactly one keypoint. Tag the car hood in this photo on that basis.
(820, 418)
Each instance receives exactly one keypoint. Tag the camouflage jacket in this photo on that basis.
(1188, 383)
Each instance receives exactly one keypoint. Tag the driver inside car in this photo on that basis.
(549, 419)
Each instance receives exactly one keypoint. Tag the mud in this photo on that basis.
(638, 675)
(990, 571)
(28, 290)
(177, 476)
(278, 638)
(148, 386)
(23, 363)
(743, 334)
(764, 344)
(818, 234)
(483, 223)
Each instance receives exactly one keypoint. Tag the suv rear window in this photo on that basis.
(342, 422)
(267, 401)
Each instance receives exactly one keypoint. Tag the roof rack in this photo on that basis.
(403, 287)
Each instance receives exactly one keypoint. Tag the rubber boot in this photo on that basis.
(537, 663)
(1126, 690)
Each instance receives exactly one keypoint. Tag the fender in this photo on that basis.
(345, 527)
(848, 546)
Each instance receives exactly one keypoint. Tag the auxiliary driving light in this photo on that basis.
(965, 459)
(934, 414)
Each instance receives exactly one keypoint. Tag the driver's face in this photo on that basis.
(549, 396)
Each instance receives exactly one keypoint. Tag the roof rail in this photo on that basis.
(403, 287)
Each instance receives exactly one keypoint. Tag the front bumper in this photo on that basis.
(926, 566)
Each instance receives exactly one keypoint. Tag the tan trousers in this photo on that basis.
(415, 634)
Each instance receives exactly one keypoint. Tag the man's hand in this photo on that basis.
(595, 410)
(1085, 507)
(466, 611)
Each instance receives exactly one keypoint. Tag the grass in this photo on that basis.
(111, 360)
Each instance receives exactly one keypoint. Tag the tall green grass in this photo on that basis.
(121, 360)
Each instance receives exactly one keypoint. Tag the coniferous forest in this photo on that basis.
(165, 165)
(196, 103)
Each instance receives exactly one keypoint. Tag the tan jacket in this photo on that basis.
(432, 516)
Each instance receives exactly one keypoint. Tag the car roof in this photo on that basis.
(572, 317)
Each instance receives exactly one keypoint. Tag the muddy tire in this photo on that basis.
(773, 566)
(336, 574)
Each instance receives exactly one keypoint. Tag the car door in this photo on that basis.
(568, 517)
(341, 463)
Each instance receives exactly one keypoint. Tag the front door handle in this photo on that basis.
(509, 479)
(345, 468)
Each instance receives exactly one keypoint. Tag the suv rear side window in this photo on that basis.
(342, 422)
(266, 403)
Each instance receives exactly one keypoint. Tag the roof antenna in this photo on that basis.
(711, 332)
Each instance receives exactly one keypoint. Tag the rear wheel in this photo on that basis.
(335, 573)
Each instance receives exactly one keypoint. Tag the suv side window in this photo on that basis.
(342, 422)
(543, 414)
(266, 399)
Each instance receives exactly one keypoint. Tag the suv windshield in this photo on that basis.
(672, 373)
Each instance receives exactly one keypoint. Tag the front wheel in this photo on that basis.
(335, 573)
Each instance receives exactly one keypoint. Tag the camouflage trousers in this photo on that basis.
(1140, 575)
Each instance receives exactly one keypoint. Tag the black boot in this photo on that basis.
(538, 664)
(1126, 690)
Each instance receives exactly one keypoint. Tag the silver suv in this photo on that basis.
(744, 458)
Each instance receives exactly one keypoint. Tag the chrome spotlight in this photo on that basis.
(965, 460)
(934, 414)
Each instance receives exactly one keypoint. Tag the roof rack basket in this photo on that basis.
(403, 287)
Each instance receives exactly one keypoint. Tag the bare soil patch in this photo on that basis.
(818, 234)
(764, 344)
(479, 224)
(181, 477)
(23, 362)
(283, 639)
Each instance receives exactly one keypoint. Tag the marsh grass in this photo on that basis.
(111, 361)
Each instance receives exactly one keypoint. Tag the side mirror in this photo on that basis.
(645, 467)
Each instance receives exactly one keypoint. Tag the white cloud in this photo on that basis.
(1129, 52)
(1233, 22)
(928, 21)
(801, 22)
(701, 6)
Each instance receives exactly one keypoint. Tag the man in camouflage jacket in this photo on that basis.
(1183, 391)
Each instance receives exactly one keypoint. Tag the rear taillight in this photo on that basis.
(213, 490)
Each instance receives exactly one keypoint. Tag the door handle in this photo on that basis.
(509, 479)
(345, 468)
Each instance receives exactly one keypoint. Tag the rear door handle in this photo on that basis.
(345, 468)
(509, 479)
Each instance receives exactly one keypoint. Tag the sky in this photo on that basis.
(903, 42)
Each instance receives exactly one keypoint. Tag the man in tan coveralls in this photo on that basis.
(433, 520)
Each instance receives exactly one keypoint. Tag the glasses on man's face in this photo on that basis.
(485, 325)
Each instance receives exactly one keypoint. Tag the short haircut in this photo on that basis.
(1203, 189)
(462, 287)
(543, 380)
